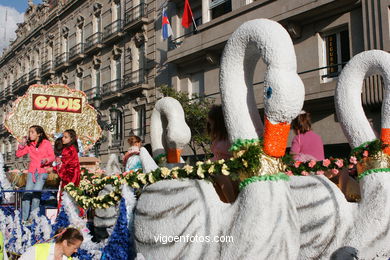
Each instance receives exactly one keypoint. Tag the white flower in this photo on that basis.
(142, 178)
(200, 171)
(112, 194)
(175, 174)
(135, 185)
(105, 205)
(199, 163)
(211, 169)
(151, 178)
(208, 161)
(225, 170)
(188, 169)
(222, 161)
(165, 172)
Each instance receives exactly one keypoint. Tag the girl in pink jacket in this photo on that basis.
(41, 153)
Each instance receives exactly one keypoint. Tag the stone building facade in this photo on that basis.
(325, 33)
(105, 48)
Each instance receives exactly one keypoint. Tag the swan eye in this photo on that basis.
(268, 92)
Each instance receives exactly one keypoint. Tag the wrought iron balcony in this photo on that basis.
(34, 76)
(8, 156)
(76, 51)
(93, 41)
(92, 93)
(62, 60)
(135, 15)
(47, 67)
(111, 87)
(134, 78)
(112, 30)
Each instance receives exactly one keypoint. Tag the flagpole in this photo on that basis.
(193, 21)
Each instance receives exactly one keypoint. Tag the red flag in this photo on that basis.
(187, 15)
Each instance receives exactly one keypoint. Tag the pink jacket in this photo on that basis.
(44, 151)
(306, 144)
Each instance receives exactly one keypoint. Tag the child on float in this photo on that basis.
(68, 167)
(132, 159)
(41, 154)
(226, 188)
(67, 242)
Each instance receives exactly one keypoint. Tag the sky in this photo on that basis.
(11, 13)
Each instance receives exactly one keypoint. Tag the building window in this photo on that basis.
(140, 121)
(196, 87)
(118, 68)
(337, 52)
(117, 134)
(96, 77)
(79, 82)
(98, 23)
(220, 7)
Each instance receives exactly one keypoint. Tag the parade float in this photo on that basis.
(283, 210)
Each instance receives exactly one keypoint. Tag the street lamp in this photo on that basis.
(114, 111)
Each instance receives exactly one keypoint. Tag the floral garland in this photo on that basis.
(331, 167)
(246, 157)
(365, 150)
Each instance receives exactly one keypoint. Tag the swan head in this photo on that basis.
(169, 130)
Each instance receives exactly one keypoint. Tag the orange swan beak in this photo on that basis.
(275, 138)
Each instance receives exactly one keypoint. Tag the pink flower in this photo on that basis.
(350, 166)
(289, 173)
(304, 173)
(320, 172)
(339, 163)
(335, 171)
(312, 163)
(297, 163)
(365, 153)
(353, 160)
(326, 162)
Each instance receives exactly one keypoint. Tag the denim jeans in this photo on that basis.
(34, 197)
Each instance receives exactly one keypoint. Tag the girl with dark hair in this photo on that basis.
(67, 242)
(69, 168)
(39, 148)
(306, 145)
(216, 129)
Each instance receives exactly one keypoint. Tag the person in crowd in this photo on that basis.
(132, 160)
(67, 242)
(306, 145)
(226, 188)
(41, 153)
(68, 167)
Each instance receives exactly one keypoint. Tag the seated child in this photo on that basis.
(132, 160)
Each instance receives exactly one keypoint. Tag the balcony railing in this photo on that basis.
(134, 78)
(47, 67)
(61, 59)
(23, 80)
(92, 93)
(8, 92)
(111, 87)
(93, 40)
(112, 28)
(8, 156)
(76, 50)
(34, 75)
(136, 13)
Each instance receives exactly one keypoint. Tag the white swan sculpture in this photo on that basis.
(263, 220)
(331, 227)
(169, 130)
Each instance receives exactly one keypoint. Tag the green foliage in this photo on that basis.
(195, 110)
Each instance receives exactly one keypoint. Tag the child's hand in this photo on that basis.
(24, 141)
